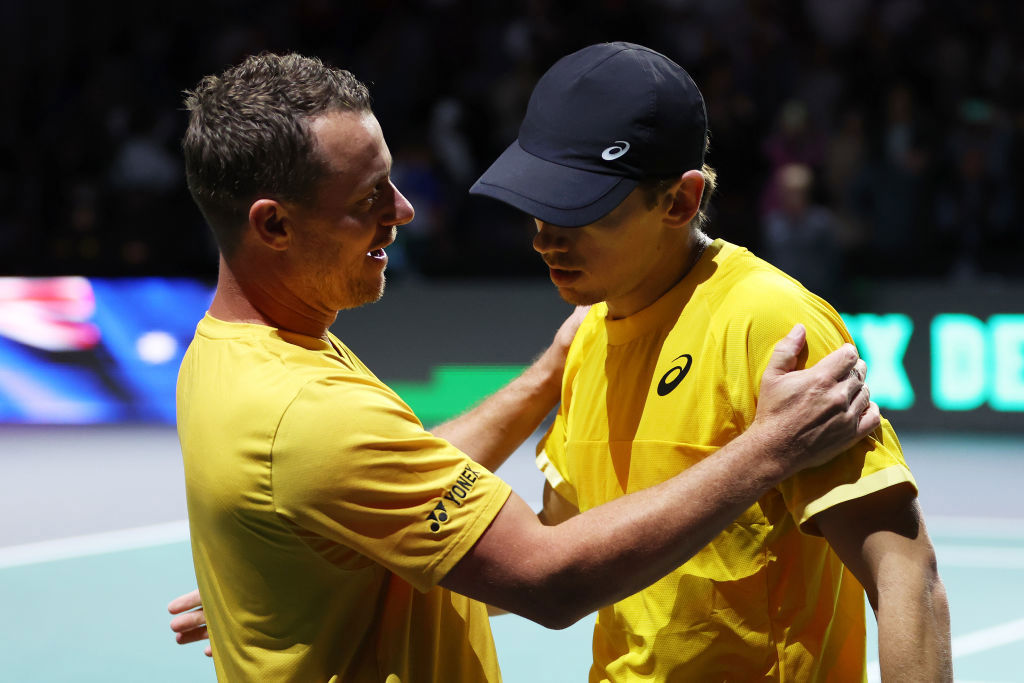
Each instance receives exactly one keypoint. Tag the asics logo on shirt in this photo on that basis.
(615, 151)
(671, 379)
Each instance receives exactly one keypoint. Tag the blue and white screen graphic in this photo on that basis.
(75, 350)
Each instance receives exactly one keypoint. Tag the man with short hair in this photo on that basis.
(664, 371)
(333, 537)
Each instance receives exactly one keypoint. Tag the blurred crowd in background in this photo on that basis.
(854, 139)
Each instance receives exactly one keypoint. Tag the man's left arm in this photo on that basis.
(881, 538)
(491, 431)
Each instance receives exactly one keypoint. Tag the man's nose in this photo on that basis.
(550, 238)
(402, 211)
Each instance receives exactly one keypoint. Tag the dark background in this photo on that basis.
(909, 114)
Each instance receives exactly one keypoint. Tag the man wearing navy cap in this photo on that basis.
(335, 538)
(664, 371)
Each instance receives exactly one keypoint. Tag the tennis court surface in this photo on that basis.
(94, 544)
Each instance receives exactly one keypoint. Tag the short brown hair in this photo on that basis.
(248, 135)
(654, 188)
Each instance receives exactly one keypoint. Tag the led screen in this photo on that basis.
(76, 350)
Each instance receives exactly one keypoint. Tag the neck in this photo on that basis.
(250, 294)
(675, 263)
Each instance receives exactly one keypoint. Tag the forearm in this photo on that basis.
(555, 575)
(491, 431)
(882, 539)
(626, 545)
(913, 628)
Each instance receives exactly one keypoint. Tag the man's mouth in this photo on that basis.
(562, 277)
(558, 262)
(378, 253)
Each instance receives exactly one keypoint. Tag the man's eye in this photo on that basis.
(374, 196)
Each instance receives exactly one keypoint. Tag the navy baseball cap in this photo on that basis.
(599, 121)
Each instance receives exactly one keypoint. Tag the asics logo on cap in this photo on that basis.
(615, 151)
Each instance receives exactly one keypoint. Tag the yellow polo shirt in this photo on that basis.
(323, 516)
(649, 395)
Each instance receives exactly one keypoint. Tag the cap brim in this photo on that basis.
(554, 193)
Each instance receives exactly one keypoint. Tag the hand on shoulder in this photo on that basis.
(807, 417)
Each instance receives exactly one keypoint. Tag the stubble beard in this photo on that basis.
(363, 292)
(578, 298)
(369, 292)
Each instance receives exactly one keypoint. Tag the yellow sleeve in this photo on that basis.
(551, 450)
(551, 459)
(353, 464)
(774, 305)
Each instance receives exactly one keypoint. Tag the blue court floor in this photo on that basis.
(93, 545)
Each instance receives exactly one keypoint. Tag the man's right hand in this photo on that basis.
(190, 624)
(807, 417)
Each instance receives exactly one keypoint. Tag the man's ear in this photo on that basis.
(270, 222)
(685, 195)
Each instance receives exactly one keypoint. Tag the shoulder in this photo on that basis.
(747, 287)
(742, 273)
(590, 334)
(345, 427)
(593, 323)
(292, 383)
(348, 399)
(756, 304)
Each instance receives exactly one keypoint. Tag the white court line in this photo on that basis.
(988, 638)
(93, 544)
(949, 555)
(971, 643)
(1002, 528)
(979, 556)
